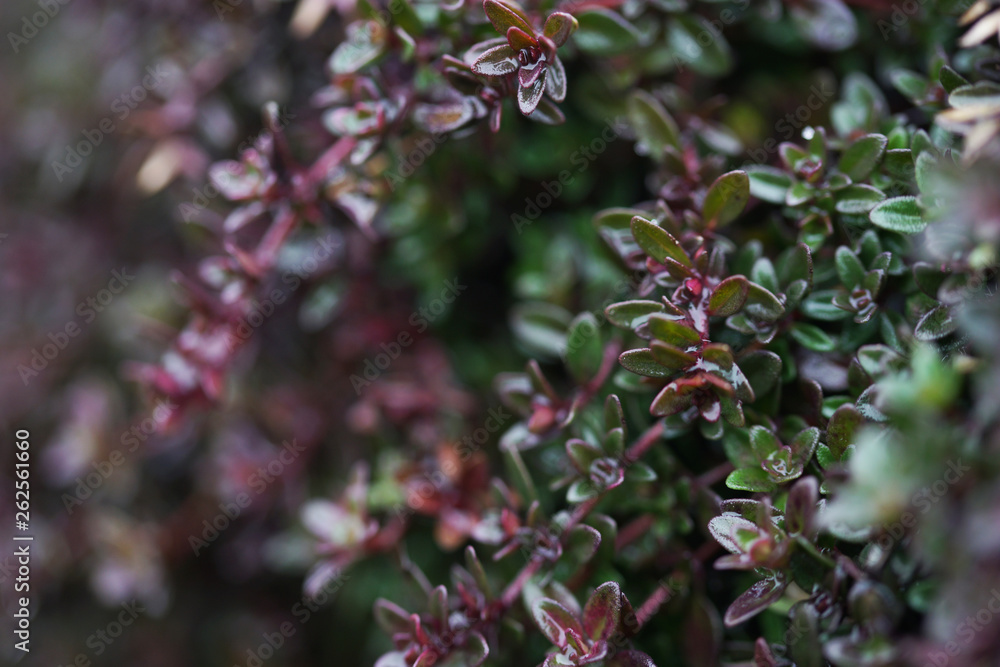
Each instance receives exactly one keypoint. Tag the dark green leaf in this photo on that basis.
(584, 347)
(769, 184)
(726, 198)
(685, 36)
(936, 323)
(631, 314)
(658, 242)
(861, 156)
(754, 480)
(603, 32)
(857, 198)
(654, 127)
(812, 337)
(729, 296)
(642, 362)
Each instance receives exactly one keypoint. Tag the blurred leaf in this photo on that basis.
(602, 32)
(654, 127)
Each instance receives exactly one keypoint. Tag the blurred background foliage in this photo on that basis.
(138, 204)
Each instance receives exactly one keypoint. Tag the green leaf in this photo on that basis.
(541, 327)
(581, 454)
(603, 32)
(899, 214)
(763, 442)
(912, 85)
(769, 184)
(984, 93)
(812, 337)
(726, 198)
(614, 417)
(819, 306)
(642, 362)
(799, 194)
(950, 79)
(936, 323)
(672, 331)
(631, 314)
(795, 263)
(840, 431)
(754, 480)
(857, 198)
(685, 36)
(503, 16)
(762, 369)
(898, 163)
(584, 348)
(657, 242)
(924, 172)
(654, 127)
(729, 296)
(671, 356)
(862, 156)
(763, 274)
(761, 304)
(849, 268)
(358, 49)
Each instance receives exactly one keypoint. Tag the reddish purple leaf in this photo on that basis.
(754, 600)
(528, 98)
(603, 611)
(519, 39)
(559, 26)
(503, 16)
(555, 80)
(497, 61)
(558, 625)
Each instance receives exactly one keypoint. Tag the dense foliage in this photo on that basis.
(744, 253)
